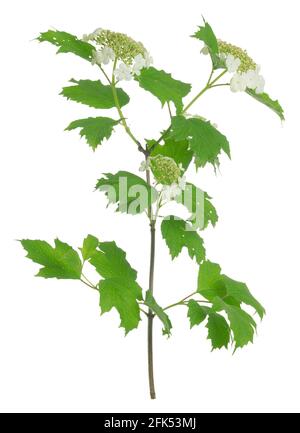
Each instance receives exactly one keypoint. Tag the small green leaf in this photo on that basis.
(179, 234)
(265, 99)
(153, 305)
(110, 262)
(94, 129)
(211, 284)
(94, 94)
(89, 247)
(177, 150)
(163, 86)
(61, 262)
(218, 331)
(241, 324)
(132, 193)
(205, 141)
(121, 294)
(207, 35)
(68, 43)
(196, 313)
(199, 205)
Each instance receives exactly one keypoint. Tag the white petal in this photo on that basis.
(238, 83)
(252, 79)
(232, 63)
(261, 85)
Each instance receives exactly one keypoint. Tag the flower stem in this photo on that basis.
(122, 118)
(208, 86)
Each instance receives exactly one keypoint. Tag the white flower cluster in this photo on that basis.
(123, 72)
(132, 55)
(241, 81)
(169, 192)
(103, 56)
(127, 72)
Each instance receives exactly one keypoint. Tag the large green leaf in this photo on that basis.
(163, 86)
(121, 294)
(60, 262)
(94, 129)
(159, 312)
(177, 150)
(211, 284)
(241, 323)
(179, 234)
(94, 94)
(119, 288)
(110, 262)
(205, 141)
(218, 331)
(68, 43)
(265, 99)
(197, 313)
(199, 205)
(132, 193)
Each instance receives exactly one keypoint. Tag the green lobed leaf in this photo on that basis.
(94, 129)
(119, 288)
(199, 205)
(265, 99)
(211, 284)
(241, 323)
(179, 234)
(132, 193)
(205, 141)
(177, 150)
(60, 262)
(218, 331)
(163, 86)
(164, 318)
(94, 94)
(68, 43)
(110, 262)
(197, 313)
(121, 294)
(89, 247)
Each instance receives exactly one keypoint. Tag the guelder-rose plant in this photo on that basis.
(219, 301)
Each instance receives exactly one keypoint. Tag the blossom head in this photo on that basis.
(124, 47)
(246, 71)
(165, 170)
(246, 63)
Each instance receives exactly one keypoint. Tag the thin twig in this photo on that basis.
(89, 285)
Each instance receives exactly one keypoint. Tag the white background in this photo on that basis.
(57, 354)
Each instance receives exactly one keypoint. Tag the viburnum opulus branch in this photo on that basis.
(222, 303)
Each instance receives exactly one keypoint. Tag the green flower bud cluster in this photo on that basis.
(165, 170)
(247, 63)
(124, 47)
